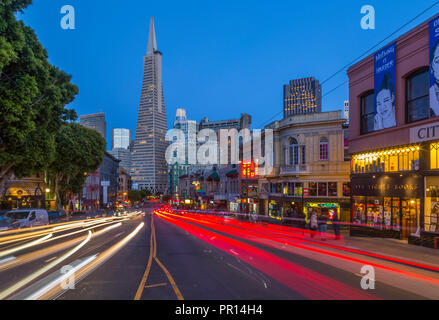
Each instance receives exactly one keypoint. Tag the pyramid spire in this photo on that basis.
(152, 40)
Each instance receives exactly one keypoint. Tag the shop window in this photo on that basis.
(323, 189)
(332, 189)
(417, 96)
(402, 159)
(324, 149)
(434, 156)
(358, 210)
(431, 213)
(367, 113)
(374, 212)
(313, 189)
(298, 189)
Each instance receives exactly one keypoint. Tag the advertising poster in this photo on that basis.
(385, 62)
(434, 67)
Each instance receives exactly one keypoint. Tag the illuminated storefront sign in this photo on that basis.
(249, 170)
(424, 133)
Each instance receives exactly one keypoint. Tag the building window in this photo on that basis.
(313, 189)
(417, 96)
(332, 189)
(434, 156)
(324, 149)
(346, 189)
(367, 113)
(294, 152)
(401, 159)
(303, 154)
(323, 189)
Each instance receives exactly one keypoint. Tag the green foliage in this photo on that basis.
(78, 150)
(33, 96)
(138, 195)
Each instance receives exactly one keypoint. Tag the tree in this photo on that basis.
(78, 150)
(134, 196)
(33, 96)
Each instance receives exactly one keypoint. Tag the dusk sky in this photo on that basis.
(220, 58)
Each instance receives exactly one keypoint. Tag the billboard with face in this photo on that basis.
(434, 67)
(385, 62)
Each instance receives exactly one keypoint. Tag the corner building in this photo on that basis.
(394, 139)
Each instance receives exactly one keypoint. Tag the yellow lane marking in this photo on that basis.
(148, 268)
(153, 255)
(171, 280)
(156, 285)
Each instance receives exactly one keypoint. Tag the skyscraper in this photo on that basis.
(181, 166)
(96, 122)
(120, 138)
(302, 96)
(149, 167)
(346, 111)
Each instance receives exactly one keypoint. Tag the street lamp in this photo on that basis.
(47, 190)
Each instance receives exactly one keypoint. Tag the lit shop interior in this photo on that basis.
(395, 193)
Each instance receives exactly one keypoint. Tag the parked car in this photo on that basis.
(27, 218)
(57, 215)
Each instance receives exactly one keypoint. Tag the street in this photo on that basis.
(169, 256)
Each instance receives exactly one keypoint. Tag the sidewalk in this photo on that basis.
(390, 247)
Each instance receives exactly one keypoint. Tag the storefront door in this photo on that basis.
(409, 210)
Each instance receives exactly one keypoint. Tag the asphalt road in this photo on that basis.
(172, 257)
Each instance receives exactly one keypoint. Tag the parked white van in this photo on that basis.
(28, 218)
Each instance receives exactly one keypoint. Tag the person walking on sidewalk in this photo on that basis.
(336, 226)
(323, 226)
(313, 224)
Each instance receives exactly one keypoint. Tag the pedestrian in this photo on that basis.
(336, 226)
(313, 223)
(323, 226)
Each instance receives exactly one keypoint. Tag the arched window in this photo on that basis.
(324, 149)
(294, 152)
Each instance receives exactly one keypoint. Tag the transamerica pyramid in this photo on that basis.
(149, 170)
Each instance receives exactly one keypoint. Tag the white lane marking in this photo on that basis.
(59, 279)
(24, 246)
(43, 270)
(8, 259)
(51, 259)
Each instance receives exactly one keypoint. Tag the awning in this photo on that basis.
(214, 176)
(232, 173)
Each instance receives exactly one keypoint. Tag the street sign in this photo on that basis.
(105, 183)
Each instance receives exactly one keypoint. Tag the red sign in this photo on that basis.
(249, 170)
(305, 192)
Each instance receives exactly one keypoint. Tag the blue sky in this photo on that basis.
(220, 58)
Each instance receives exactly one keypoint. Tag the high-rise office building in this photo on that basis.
(96, 122)
(125, 157)
(346, 111)
(120, 138)
(180, 165)
(149, 167)
(302, 96)
(242, 123)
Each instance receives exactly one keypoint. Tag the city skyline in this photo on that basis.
(203, 50)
